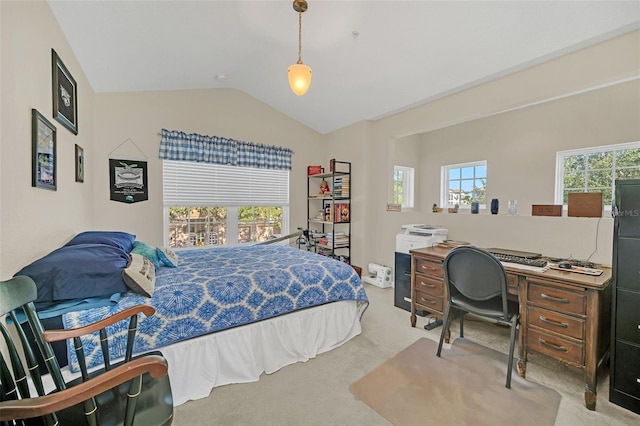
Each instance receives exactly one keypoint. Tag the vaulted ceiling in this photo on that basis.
(370, 59)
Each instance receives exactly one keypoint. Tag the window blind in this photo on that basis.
(187, 183)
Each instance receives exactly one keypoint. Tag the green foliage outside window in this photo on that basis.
(204, 226)
(398, 185)
(598, 171)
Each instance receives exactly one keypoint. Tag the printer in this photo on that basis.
(418, 236)
(412, 236)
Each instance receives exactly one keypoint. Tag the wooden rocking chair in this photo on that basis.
(135, 391)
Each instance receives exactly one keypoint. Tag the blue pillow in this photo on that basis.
(147, 251)
(167, 257)
(78, 271)
(118, 239)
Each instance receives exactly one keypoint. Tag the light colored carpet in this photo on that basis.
(465, 386)
(316, 392)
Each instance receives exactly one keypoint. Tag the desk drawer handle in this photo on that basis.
(555, 299)
(423, 284)
(431, 302)
(551, 345)
(429, 269)
(557, 324)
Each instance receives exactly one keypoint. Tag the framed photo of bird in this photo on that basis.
(65, 94)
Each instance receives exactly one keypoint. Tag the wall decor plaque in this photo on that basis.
(128, 180)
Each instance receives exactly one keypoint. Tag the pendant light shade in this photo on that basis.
(299, 73)
(299, 78)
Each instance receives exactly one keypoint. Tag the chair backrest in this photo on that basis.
(476, 274)
(15, 294)
(107, 400)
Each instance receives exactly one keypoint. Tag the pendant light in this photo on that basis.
(299, 73)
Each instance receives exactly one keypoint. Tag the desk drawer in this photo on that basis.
(429, 267)
(556, 322)
(557, 299)
(428, 302)
(561, 349)
(429, 285)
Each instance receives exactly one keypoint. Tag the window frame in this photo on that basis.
(231, 201)
(408, 186)
(562, 155)
(444, 182)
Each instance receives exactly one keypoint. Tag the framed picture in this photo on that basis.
(44, 159)
(128, 180)
(65, 96)
(79, 164)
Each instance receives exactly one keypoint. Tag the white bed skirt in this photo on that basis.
(242, 354)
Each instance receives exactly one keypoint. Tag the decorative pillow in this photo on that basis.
(118, 239)
(167, 257)
(140, 275)
(78, 271)
(147, 251)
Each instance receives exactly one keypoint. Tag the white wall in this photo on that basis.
(517, 123)
(131, 122)
(35, 221)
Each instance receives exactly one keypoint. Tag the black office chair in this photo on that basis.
(135, 391)
(477, 283)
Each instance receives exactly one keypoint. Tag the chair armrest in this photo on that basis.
(57, 335)
(155, 365)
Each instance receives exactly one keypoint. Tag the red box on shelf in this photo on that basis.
(314, 170)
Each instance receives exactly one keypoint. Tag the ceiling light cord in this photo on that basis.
(300, 36)
(299, 74)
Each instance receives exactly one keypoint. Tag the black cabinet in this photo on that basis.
(402, 286)
(624, 388)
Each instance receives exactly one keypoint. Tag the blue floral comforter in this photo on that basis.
(219, 288)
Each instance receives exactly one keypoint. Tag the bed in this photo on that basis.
(223, 315)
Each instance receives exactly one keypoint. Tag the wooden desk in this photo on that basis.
(564, 315)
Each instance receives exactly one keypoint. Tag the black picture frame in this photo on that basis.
(128, 181)
(44, 155)
(79, 164)
(65, 94)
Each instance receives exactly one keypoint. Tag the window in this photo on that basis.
(596, 170)
(209, 204)
(463, 184)
(403, 186)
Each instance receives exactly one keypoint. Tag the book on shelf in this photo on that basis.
(335, 234)
(328, 211)
(314, 170)
(336, 245)
(337, 239)
(342, 212)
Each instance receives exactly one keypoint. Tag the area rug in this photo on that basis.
(463, 387)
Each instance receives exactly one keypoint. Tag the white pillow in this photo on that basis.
(140, 275)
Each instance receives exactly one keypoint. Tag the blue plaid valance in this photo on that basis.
(176, 145)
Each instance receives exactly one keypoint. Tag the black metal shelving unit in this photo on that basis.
(335, 210)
